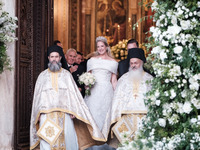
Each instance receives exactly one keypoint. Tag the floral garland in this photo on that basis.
(119, 51)
(7, 35)
(173, 118)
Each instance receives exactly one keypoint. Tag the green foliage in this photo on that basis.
(7, 34)
(4, 59)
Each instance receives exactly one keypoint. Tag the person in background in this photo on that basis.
(128, 101)
(70, 58)
(81, 69)
(79, 58)
(123, 64)
(57, 98)
(58, 43)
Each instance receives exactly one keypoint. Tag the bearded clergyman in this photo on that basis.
(56, 102)
(128, 106)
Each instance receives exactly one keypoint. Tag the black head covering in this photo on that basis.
(54, 48)
(136, 53)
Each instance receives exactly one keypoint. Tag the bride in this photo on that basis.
(104, 68)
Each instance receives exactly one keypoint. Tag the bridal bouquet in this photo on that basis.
(88, 80)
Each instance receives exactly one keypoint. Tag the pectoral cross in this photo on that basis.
(135, 89)
(135, 95)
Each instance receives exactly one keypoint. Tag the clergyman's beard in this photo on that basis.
(135, 74)
(54, 67)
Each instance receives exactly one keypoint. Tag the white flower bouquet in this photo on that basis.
(88, 80)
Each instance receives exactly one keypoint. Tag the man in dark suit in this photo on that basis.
(81, 69)
(75, 67)
(124, 64)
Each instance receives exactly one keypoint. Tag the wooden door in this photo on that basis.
(35, 34)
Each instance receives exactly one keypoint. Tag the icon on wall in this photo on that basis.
(111, 20)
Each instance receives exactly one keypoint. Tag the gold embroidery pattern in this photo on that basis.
(136, 86)
(58, 118)
(54, 80)
(123, 128)
(50, 131)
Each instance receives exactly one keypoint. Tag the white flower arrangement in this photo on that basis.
(88, 80)
(7, 34)
(173, 119)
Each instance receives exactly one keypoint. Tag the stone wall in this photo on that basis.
(7, 93)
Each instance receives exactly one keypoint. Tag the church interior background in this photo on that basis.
(76, 23)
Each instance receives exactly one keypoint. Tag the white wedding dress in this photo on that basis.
(101, 96)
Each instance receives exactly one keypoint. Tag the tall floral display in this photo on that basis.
(7, 34)
(119, 50)
(173, 118)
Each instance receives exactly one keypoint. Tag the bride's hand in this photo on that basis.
(87, 87)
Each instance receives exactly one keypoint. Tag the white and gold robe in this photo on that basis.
(57, 92)
(128, 101)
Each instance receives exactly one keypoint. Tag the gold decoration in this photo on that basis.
(123, 128)
(136, 86)
(123, 125)
(49, 131)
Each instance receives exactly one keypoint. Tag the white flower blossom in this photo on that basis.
(198, 4)
(166, 93)
(154, 5)
(174, 30)
(163, 55)
(179, 11)
(185, 25)
(156, 50)
(198, 42)
(165, 43)
(193, 120)
(183, 94)
(198, 13)
(173, 94)
(166, 80)
(180, 108)
(173, 119)
(158, 23)
(196, 103)
(178, 49)
(187, 108)
(158, 102)
(174, 20)
(178, 4)
(194, 85)
(162, 122)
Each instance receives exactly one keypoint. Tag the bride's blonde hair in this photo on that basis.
(104, 40)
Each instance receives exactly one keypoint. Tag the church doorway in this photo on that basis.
(35, 34)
